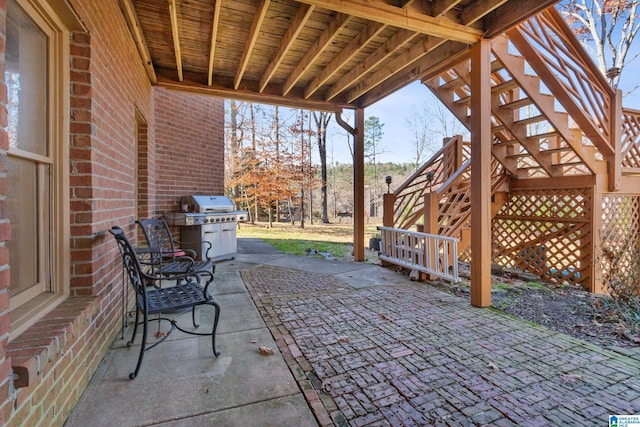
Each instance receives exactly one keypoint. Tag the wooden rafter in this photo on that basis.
(138, 36)
(355, 46)
(512, 13)
(410, 19)
(261, 11)
(395, 66)
(325, 39)
(440, 7)
(175, 34)
(447, 54)
(395, 43)
(286, 44)
(477, 9)
(214, 34)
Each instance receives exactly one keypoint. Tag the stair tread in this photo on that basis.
(517, 104)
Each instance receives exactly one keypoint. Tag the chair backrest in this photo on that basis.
(131, 264)
(158, 236)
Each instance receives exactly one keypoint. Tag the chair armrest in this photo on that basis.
(205, 242)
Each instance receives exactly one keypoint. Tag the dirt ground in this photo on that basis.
(564, 308)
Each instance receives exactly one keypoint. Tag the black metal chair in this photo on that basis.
(185, 293)
(166, 258)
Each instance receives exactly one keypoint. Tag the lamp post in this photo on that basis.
(388, 181)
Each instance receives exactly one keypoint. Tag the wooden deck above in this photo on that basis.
(316, 54)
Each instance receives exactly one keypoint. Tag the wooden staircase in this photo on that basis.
(561, 142)
(535, 133)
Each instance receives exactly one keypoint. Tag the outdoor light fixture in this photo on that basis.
(388, 181)
(430, 175)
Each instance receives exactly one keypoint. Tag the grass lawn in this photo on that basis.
(335, 239)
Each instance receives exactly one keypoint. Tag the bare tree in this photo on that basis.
(322, 120)
(607, 28)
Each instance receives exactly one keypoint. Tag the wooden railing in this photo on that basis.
(630, 147)
(455, 198)
(428, 253)
(552, 50)
(409, 206)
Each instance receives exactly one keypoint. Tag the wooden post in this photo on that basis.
(431, 226)
(596, 284)
(388, 206)
(614, 162)
(358, 187)
(481, 174)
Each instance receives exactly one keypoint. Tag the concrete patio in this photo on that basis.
(358, 345)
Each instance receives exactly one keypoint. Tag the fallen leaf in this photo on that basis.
(384, 317)
(570, 378)
(493, 366)
(161, 334)
(266, 351)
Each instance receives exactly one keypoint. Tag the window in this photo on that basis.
(36, 75)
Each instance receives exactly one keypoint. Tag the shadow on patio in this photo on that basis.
(364, 346)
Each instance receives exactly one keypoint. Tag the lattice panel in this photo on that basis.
(631, 139)
(547, 233)
(620, 231)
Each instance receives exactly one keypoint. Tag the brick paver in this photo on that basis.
(412, 355)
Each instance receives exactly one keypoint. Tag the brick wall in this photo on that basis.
(128, 143)
(198, 137)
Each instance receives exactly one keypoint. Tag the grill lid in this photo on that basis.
(204, 204)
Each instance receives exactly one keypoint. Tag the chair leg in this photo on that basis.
(143, 346)
(135, 328)
(193, 317)
(215, 327)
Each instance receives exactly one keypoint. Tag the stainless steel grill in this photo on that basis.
(210, 219)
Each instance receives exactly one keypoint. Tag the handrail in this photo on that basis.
(410, 194)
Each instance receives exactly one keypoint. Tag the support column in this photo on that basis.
(358, 187)
(431, 226)
(481, 174)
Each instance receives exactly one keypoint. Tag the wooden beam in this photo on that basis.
(481, 142)
(196, 85)
(289, 38)
(396, 42)
(354, 46)
(325, 39)
(408, 18)
(131, 18)
(441, 7)
(214, 35)
(258, 18)
(393, 67)
(358, 187)
(512, 13)
(478, 9)
(175, 34)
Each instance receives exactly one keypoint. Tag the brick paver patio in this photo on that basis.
(413, 355)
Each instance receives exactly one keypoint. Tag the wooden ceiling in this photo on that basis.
(315, 54)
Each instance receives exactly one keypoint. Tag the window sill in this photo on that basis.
(48, 339)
